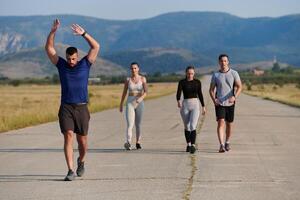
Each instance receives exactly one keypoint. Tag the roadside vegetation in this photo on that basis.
(278, 84)
(103, 80)
(30, 104)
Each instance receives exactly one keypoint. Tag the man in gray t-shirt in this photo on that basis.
(225, 87)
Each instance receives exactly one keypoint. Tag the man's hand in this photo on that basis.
(217, 102)
(93, 52)
(77, 30)
(232, 99)
(55, 25)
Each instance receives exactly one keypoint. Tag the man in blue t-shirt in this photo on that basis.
(73, 113)
(225, 87)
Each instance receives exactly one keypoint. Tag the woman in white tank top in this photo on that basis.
(136, 85)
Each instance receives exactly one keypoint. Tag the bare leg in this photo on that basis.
(68, 148)
(221, 130)
(82, 146)
(229, 127)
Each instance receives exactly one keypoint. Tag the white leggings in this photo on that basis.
(190, 113)
(133, 117)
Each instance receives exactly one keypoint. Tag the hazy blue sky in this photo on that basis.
(137, 9)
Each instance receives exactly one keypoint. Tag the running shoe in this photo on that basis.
(227, 146)
(127, 146)
(138, 146)
(80, 168)
(188, 148)
(70, 176)
(222, 149)
(192, 149)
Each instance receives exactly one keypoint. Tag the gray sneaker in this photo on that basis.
(127, 146)
(222, 149)
(70, 176)
(80, 168)
(227, 146)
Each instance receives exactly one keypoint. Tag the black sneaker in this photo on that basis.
(138, 146)
(192, 149)
(70, 176)
(222, 149)
(127, 146)
(227, 146)
(80, 168)
(188, 148)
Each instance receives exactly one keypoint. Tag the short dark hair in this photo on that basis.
(189, 67)
(134, 63)
(223, 55)
(71, 50)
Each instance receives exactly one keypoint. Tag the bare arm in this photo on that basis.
(145, 86)
(123, 95)
(212, 93)
(238, 86)
(49, 47)
(94, 45)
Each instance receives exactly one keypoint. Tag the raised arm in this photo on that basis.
(94, 45)
(49, 47)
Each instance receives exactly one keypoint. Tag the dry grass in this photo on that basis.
(287, 94)
(28, 105)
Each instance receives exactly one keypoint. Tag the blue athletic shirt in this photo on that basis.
(74, 81)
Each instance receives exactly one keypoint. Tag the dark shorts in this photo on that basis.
(225, 112)
(74, 117)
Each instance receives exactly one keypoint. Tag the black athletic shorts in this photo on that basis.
(74, 117)
(225, 112)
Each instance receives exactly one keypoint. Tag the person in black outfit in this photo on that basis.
(189, 107)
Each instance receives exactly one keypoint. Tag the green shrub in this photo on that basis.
(249, 85)
(15, 83)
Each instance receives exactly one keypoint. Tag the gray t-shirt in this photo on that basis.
(224, 82)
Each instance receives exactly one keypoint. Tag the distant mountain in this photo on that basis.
(158, 59)
(206, 34)
(35, 63)
(263, 65)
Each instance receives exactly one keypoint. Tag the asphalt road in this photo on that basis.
(263, 163)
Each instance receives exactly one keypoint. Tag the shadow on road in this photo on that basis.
(30, 178)
(110, 150)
